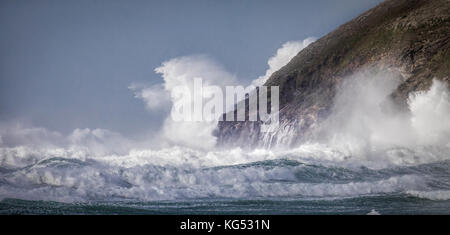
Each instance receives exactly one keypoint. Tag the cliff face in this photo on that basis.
(409, 37)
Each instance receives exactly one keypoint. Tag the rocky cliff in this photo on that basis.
(409, 37)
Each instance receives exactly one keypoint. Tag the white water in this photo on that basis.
(358, 152)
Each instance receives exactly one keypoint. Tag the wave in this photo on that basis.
(307, 172)
(432, 195)
(363, 156)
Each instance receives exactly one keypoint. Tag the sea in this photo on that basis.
(310, 179)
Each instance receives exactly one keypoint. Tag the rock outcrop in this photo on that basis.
(409, 37)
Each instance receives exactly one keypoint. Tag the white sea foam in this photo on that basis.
(373, 212)
(182, 173)
(362, 157)
(432, 195)
(364, 120)
(74, 178)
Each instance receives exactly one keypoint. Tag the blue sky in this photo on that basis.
(68, 64)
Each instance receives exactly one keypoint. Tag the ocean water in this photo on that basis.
(364, 160)
(311, 179)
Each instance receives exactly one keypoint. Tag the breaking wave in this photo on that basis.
(82, 168)
(310, 171)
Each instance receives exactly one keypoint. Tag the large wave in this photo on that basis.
(362, 149)
(178, 173)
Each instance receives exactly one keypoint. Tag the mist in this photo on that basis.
(365, 121)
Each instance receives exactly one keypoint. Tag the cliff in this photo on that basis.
(409, 37)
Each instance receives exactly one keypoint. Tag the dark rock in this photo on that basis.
(411, 37)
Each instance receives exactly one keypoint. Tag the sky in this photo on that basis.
(74, 64)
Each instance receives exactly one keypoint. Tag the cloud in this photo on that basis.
(283, 55)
